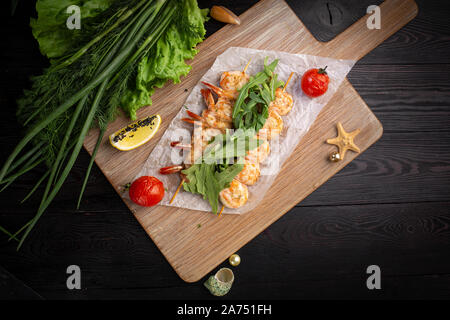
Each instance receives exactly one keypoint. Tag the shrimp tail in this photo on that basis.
(188, 120)
(194, 115)
(208, 97)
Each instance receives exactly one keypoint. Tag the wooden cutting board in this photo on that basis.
(194, 251)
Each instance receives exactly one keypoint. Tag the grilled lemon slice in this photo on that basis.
(136, 133)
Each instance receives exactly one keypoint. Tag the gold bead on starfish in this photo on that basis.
(344, 141)
(335, 156)
(234, 260)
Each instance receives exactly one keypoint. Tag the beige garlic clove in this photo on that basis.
(222, 14)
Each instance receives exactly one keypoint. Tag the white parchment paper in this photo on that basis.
(296, 123)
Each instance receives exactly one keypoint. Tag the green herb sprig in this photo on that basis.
(221, 162)
(84, 88)
(251, 109)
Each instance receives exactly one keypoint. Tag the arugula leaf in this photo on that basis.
(190, 173)
(226, 176)
(212, 187)
(201, 176)
(205, 180)
(215, 172)
(256, 97)
(256, 80)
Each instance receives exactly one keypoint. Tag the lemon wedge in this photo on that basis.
(135, 134)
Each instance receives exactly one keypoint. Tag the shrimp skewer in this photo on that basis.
(232, 197)
(219, 114)
(249, 174)
(237, 194)
(231, 82)
(218, 117)
(209, 118)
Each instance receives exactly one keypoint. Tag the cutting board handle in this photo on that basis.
(394, 15)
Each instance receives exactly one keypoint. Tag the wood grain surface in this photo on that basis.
(194, 251)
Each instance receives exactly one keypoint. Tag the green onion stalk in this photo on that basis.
(81, 91)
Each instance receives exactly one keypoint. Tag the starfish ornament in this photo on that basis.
(344, 140)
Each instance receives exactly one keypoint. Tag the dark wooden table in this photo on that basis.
(389, 207)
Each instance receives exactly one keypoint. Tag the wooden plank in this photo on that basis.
(317, 249)
(195, 251)
(12, 288)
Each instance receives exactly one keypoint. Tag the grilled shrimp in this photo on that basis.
(272, 127)
(211, 119)
(283, 102)
(224, 109)
(235, 196)
(250, 174)
(218, 117)
(208, 119)
(260, 153)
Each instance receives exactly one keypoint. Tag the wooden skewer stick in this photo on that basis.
(197, 117)
(248, 63)
(221, 210)
(178, 190)
(287, 82)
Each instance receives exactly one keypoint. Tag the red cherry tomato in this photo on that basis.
(146, 191)
(315, 82)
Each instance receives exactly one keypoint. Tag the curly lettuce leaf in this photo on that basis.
(50, 29)
(166, 60)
